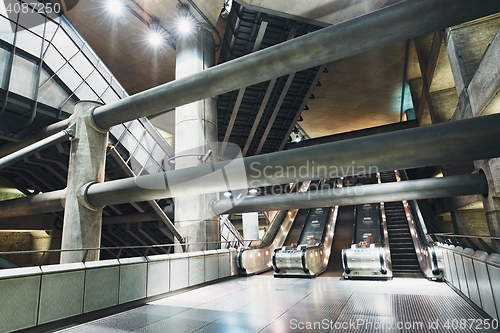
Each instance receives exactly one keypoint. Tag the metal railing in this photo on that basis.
(228, 233)
(487, 244)
(118, 252)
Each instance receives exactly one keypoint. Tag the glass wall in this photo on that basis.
(54, 66)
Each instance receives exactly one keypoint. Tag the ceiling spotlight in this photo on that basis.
(115, 6)
(227, 194)
(253, 191)
(155, 38)
(184, 25)
(155, 33)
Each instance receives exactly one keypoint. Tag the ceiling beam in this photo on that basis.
(431, 188)
(405, 20)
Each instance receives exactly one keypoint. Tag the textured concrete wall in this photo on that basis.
(470, 222)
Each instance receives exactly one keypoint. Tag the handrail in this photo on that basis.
(115, 250)
(468, 241)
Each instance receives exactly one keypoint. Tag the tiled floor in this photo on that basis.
(324, 304)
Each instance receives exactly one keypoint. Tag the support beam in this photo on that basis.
(457, 141)
(16, 156)
(256, 121)
(396, 191)
(83, 222)
(461, 140)
(40, 135)
(404, 20)
(49, 202)
(277, 108)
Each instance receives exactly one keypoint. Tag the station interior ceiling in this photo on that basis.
(379, 87)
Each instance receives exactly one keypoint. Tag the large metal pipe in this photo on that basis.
(29, 150)
(49, 202)
(456, 141)
(33, 138)
(355, 195)
(383, 27)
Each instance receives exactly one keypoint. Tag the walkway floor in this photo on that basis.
(324, 304)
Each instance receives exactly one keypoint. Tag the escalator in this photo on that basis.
(309, 255)
(342, 239)
(298, 225)
(256, 258)
(403, 255)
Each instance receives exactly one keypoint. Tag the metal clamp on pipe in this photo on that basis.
(83, 200)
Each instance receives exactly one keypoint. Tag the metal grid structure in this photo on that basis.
(259, 118)
(44, 71)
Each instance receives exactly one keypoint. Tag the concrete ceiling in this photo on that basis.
(357, 92)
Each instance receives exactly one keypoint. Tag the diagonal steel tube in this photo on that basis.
(386, 26)
(34, 147)
(457, 141)
(397, 191)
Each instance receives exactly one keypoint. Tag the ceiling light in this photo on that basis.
(155, 38)
(253, 191)
(227, 194)
(115, 6)
(297, 138)
(184, 25)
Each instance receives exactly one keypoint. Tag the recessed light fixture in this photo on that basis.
(155, 38)
(115, 6)
(184, 25)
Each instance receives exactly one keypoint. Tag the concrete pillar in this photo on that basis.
(473, 52)
(250, 223)
(195, 135)
(82, 222)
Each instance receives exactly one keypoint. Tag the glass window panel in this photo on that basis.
(70, 77)
(85, 93)
(116, 86)
(104, 72)
(128, 141)
(69, 106)
(4, 61)
(32, 21)
(64, 44)
(29, 42)
(23, 76)
(148, 142)
(50, 30)
(109, 96)
(151, 166)
(141, 155)
(53, 59)
(3, 10)
(81, 65)
(117, 131)
(90, 55)
(77, 39)
(98, 84)
(6, 33)
(136, 129)
(51, 92)
(54, 16)
(159, 155)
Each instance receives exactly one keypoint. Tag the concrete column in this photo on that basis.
(195, 135)
(82, 222)
(473, 53)
(250, 226)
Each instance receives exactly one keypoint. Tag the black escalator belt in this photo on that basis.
(403, 256)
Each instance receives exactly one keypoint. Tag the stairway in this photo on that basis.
(404, 258)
